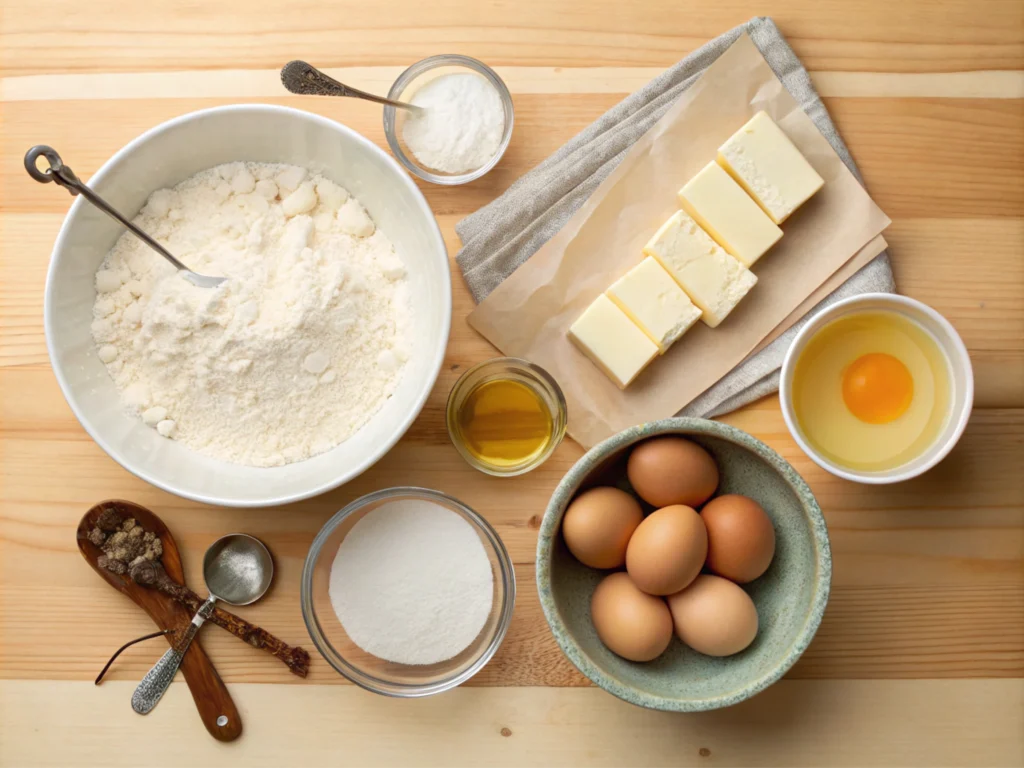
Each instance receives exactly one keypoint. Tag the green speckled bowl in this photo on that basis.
(790, 597)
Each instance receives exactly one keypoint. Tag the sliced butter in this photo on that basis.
(769, 167)
(713, 279)
(611, 340)
(654, 302)
(729, 214)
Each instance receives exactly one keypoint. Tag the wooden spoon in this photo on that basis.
(209, 692)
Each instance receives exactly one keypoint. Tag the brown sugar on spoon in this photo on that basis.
(124, 542)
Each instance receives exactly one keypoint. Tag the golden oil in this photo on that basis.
(506, 416)
(504, 422)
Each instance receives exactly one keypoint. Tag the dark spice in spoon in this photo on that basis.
(124, 542)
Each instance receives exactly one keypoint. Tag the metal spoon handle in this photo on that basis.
(66, 178)
(156, 682)
(159, 678)
(306, 80)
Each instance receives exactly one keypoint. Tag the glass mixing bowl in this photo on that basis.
(386, 677)
(414, 78)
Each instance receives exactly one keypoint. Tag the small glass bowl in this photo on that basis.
(526, 373)
(414, 78)
(386, 677)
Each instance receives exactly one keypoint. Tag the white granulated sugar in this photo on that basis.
(460, 126)
(412, 583)
(284, 359)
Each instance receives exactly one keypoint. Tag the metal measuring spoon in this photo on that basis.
(306, 80)
(66, 178)
(237, 569)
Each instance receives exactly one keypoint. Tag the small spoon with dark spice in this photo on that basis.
(146, 564)
(216, 708)
(157, 586)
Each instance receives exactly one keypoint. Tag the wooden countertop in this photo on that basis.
(920, 657)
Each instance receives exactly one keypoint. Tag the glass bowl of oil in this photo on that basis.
(506, 416)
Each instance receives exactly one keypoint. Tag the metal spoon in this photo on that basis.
(306, 80)
(237, 569)
(66, 178)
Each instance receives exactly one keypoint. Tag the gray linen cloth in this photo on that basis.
(502, 235)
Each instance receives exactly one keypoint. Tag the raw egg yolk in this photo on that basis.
(877, 388)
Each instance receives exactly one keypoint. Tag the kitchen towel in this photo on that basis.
(504, 234)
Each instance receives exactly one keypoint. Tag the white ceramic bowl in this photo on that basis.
(170, 153)
(961, 379)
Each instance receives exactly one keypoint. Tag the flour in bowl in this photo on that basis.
(287, 358)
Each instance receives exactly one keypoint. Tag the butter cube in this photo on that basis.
(713, 279)
(769, 167)
(728, 214)
(654, 302)
(610, 339)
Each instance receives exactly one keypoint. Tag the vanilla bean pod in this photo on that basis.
(152, 574)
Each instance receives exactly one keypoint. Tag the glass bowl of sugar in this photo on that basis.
(407, 592)
(463, 123)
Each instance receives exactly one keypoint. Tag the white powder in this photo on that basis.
(461, 125)
(412, 583)
(287, 358)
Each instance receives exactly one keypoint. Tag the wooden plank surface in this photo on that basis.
(795, 723)
(929, 575)
(853, 35)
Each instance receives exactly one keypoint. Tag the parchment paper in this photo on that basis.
(529, 313)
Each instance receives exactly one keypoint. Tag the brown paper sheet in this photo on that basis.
(840, 276)
(529, 313)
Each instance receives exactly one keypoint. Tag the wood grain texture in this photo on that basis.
(864, 35)
(928, 575)
(795, 723)
(266, 83)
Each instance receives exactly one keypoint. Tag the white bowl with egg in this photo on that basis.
(165, 156)
(958, 384)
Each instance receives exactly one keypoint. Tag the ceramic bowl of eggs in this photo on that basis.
(683, 565)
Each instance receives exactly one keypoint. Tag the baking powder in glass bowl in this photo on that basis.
(459, 126)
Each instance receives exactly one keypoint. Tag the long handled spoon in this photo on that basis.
(66, 178)
(306, 80)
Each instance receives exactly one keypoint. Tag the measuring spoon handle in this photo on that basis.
(158, 679)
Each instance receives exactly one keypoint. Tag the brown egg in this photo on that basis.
(631, 623)
(741, 540)
(667, 550)
(671, 470)
(714, 616)
(597, 526)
